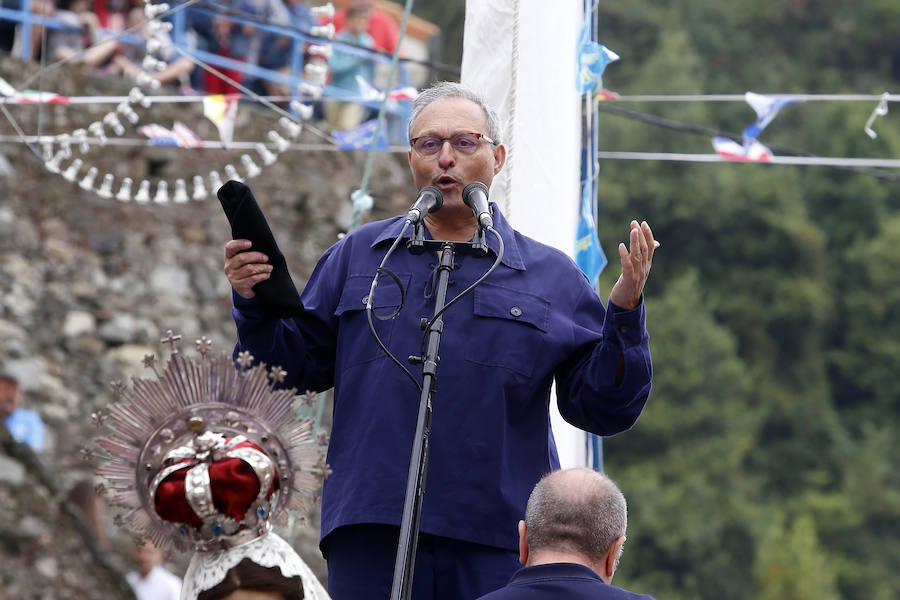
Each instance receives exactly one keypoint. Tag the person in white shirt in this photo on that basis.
(151, 581)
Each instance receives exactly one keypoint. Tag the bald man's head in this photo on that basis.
(575, 510)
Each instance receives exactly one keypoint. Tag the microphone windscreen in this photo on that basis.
(248, 222)
(471, 189)
(438, 197)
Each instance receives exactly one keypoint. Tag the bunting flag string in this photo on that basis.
(206, 144)
(821, 161)
(861, 165)
(408, 93)
(752, 150)
(608, 155)
(128, 112)
(726, 146)
(221, 110)
(743, 97)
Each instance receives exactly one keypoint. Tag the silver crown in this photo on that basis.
(191, 415)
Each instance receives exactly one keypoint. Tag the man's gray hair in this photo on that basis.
(570, 513)
(449, 89)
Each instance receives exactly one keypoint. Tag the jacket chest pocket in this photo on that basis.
(514, 325)
(355, 341)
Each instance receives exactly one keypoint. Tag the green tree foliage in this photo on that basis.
(773, 305)
(450, 16)
(869, 353)
(791, 564)
(688, 526)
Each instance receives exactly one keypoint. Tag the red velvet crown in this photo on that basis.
(233, 483)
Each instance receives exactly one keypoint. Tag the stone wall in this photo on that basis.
(89, 285)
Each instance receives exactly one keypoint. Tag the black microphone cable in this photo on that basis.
(370, 301)
(382, 269)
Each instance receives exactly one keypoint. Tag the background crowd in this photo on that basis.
(89, 32)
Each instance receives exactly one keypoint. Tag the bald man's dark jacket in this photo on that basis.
(560, 580)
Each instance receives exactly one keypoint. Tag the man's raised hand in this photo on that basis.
(636, 261)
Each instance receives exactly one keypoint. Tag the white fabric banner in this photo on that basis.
(520, 56)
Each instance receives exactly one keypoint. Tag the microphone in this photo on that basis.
(475, 196)
(429, 200)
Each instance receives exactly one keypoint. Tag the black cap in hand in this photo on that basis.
(248, 222)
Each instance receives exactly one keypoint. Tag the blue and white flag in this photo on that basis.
(592, 60)
(180, 135)
(360, 138)
(589, 255)
(751, 150)
(766, 108)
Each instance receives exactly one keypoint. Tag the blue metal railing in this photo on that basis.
(398, 112)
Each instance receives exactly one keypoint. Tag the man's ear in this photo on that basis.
(523, 542)
(499, 157)
(611, 560)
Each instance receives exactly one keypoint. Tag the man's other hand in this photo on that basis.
(244, 268)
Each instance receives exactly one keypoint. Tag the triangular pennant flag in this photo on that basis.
(589, 255)
(186, 138)
(766, 108)
(591, 61)
(159, 135)
(6, 89)
(222, 110)
(180, 135)
(731, 150)
(36, 97)
(607, 95)
(369, 93)
(403, 93)
(360, 138)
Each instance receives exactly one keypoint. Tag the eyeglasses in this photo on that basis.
(463, 143)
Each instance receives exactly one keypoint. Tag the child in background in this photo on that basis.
(345, 68)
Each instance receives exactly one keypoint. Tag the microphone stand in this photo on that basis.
(418, 463)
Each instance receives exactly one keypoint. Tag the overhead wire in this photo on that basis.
(741, 97)
(788, 156)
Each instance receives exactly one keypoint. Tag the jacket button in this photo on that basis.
(515, 311)
(365, 300)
